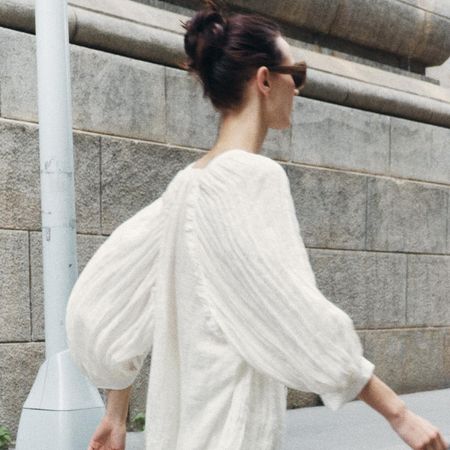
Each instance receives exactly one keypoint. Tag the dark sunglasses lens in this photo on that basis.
(298, 79)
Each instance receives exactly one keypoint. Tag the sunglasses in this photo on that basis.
(297, 71)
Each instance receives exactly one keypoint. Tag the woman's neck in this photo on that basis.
(245, 130)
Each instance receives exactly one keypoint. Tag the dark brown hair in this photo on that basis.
(224, 51)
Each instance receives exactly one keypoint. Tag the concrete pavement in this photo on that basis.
(355, 426)
(358, 426)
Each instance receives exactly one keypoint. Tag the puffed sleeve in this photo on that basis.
(260, 286)
(110, 312)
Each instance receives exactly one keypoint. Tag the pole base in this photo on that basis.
(62, 410)
(57, 430)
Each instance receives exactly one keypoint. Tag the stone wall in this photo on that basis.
(372, 193)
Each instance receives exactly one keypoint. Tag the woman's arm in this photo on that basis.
(382, 398)
(111, 432)
(117, 404)
(416, 431)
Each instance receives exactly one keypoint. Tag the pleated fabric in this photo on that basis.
(261, 287)
(213, 278)
(110, 312)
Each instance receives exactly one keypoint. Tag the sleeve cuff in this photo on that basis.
(336, 400)
(101, 378)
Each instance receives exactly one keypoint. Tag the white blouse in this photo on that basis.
(213, 278)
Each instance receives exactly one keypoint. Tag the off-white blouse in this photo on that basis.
(213, 278)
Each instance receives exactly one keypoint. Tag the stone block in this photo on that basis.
(111, 94)
(361, 21)
(116, 95)
(15, 322)
(300, 399)
(86, 246)
(324, 134)
(406, 216)
(18, 77)
(191, 119)
(408, 360)
(86, 154)
(330, 205)
(419, 151)
(441, 8)
(447, 354)
(134, 174)
(276, 144)
(428, 292)
(19, 365)
(369, 286)
(19, 176)
(20, 190)
(448, 222)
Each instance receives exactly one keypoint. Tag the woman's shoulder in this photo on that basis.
(239, 174)
(237, 163)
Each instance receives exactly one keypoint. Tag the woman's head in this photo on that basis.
(232, 55)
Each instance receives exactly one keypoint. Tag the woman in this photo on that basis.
(213, 276)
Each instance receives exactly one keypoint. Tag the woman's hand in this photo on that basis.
(417, 432)
(109, 435)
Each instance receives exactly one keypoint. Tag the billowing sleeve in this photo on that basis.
(110, 312)
(261, 289)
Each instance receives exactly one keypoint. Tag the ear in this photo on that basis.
(263, 81)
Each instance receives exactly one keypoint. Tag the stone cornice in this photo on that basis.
(415, 29)
(151, 34)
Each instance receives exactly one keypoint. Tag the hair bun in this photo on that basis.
(205, 37)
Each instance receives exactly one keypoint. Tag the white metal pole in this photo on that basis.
(63, 408)
(56, 168)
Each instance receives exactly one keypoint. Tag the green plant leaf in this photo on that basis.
(139, 422)
(5, 437)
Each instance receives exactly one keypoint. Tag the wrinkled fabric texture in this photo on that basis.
(213, 278)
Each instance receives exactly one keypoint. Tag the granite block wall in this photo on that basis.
(372, 194)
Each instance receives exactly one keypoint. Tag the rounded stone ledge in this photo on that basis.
(380, 99)
(401, 28)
